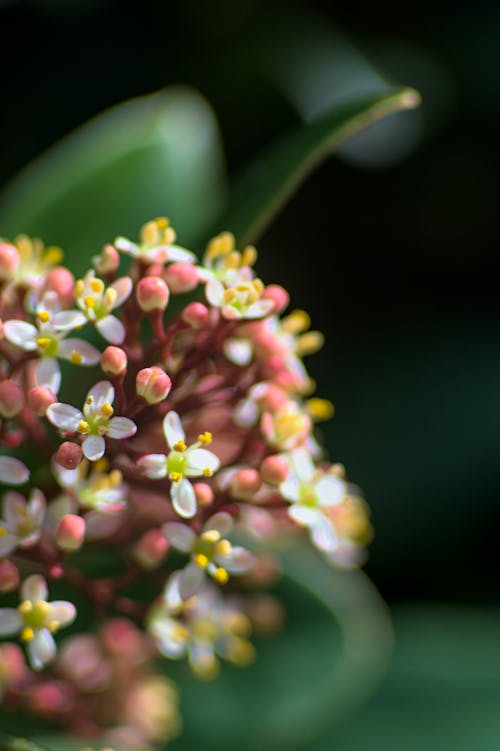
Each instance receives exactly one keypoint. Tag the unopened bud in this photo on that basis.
(195, 314)
(151, 549)
(11, 399)
(69, 455)
(39, 399)
(108, 261)
(245, 483)
(61, 281)
(153, 384)
(114, 361)
(152, 294)
(278, 295)
(203, 493)
(70, 532)
(181, 277)
(274, 469)
(9, 260)
(271, 398)
(9, 576)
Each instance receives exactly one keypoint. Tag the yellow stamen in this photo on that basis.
(111, 295)
(211, 535)
(201, 560)
(53, 254)
(115, 478)
(25, 607)
(249, 256)
(79, 288)
(43, 341)
(320, 409)
(89, 400)
(83, 427)
(27, 634)
(207, 472)
(232, 261)
(162, 222)
(229, 296)
(97, 286)
(221, 576)
(309, 343)
(3, 531)
(205, 438)
(224, 547)
(176, 476)
(43, 316)
(106, 409)
(53, 626)
(296, 322)
(102, 465)
(258, 285)
(76, 357)
(89, 301)
(180, 445)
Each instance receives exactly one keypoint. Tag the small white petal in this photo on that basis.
(123, 288)
(221, 522)
(303, 515)
(37, 506)
(330, 490)
(259, 309)
(171, 594)
(48, 373)
(10, 621)
(8, 541)
(126, 246)
(238, 561)
(94, 447)
(121, 427)
(12, 471)
(101, 392)
(214, 291)
(170, 639)
(62, 611)
(180, 536)
(34, 588)
(100, 524)
(191, 580)
(154, 466)
(64, 416)
(183, 498)
(111, 329)
(231, 313)
(14, 508)
(67, 320)
(302, 464)
(290, 489)
(199, 459)
(246, 413)
(323, 535)
(180, 255)
(172, 429)
(238, 351)
(41, 649)
(22, 334)
(90, 355)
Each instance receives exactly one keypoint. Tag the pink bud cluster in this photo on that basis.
(186, 421)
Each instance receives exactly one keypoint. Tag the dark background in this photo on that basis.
(395, 261)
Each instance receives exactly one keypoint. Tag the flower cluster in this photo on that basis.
(161, 444)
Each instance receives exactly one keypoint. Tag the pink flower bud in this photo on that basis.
(271, 398)
(278, 295)
(153, 384)
(245, 483)
(195, 314)
(181, 277)
(11, 399)
(274, 469)
(9, 260)
(203, 493)
(14, 668)
(61, 281)
(50, 698)
(120, 637)
(69, 455)
(151, 549)
(108, 261)
(70, 532)
(39, 399)
(152, 294)
(9, 576)
(114, 361)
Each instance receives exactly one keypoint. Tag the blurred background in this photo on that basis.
(390, 245)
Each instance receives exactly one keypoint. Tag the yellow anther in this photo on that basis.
(232, 261)
(221, 576)
(258, 285)
(106, 409)
(162, 222)
(102, 465)
(43, 341)
(83, 427)
(102, 430)
(309, 343)
(111, 295)
(27, 634)
(242, 287)
(179, 632)
(320, 409)
(229, 296)
(180, 445)
(79, 288)
(249, 256)
(76, 357)
(205, 438)
(224, 547)
(43, 316)
(53, 254)
(53, 626)
(89, 301)
(220, 245)
(296, 322)
(211, 535)
(201, 560)
(3, 531)
(89, 400)
(115, 478)
(25, 607)
(176, 476)
(207, 472)
(241, 652)
(97, 286)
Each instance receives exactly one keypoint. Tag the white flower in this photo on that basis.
(210, 551)
(22, 521)
(157, 244)
(95, 422)
(12, 471)
(311, 492)
(98, 490)
(97, 301)
(242, 301)
(180, 463)
(48, 339)
(287, 428)
(36, 620)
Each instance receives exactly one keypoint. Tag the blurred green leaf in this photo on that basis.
(265, 187)
(156, 155)
(8, 743)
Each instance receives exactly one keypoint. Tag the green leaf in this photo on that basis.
(148, 157)
(265, 187)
